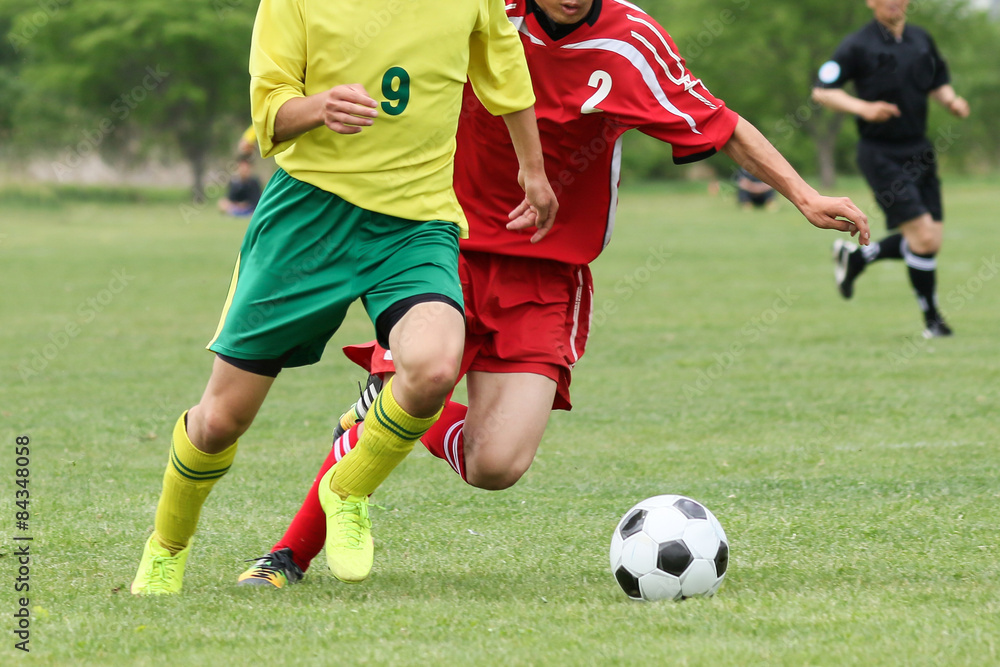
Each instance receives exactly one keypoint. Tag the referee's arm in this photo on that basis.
(947, 97)
(837, 99)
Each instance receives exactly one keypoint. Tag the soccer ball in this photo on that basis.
(669, 548)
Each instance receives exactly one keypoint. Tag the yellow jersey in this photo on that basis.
(413, 57)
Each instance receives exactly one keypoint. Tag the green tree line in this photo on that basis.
(128, 80)
(762, 58)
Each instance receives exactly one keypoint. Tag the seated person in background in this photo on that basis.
(247, 145)
(751, 192)
(244, 191)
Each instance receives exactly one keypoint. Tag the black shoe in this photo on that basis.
(274, 569)
(848, 265)
(373, 385)
(936, 328)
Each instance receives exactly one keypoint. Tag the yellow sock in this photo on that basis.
(190, 475)
(388, 437)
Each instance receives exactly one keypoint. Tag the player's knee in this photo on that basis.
(926, 242)
(923, 235)
(216, 429)
(433, 378)
(492, 479)
(492, 470)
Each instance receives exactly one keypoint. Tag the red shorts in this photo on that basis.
(523, 315)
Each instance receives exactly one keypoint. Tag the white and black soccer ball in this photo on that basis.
(669, 548)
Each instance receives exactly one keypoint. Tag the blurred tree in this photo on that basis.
(8, 83)
(123, 77)
(762, 58)
(108, 73)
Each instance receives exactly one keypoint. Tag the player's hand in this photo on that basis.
(838, 213)
(879, 112)
(539, 207)
(348, 109)
(959, 107)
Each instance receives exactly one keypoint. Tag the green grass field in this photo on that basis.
(853, 464)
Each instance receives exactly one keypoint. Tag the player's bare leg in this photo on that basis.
(227, 408)
(427, 345)
(507, 416)
(202, 448)
(923, 234)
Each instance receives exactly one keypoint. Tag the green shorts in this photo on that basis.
(308, 255)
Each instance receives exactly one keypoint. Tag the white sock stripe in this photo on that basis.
(342, 447)
(870, 252)
(916, 261)
(451, 445)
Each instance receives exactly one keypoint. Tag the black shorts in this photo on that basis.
(904, 179)
(758, 199)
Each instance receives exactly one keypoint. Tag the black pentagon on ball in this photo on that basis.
(674, 557)
(690, 509)
(628, 582)
(722, 559)
(633, 523)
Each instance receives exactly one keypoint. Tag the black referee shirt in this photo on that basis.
(901, 72)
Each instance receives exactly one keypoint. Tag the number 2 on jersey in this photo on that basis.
(602, 81)
(398, 94)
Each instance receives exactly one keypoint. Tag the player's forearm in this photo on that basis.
(297, 116)
(838, 100)
(752, 151)
(524, 135)
(947, 97)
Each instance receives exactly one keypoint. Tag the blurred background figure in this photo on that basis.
(244, 191)
(751, 192)
(247, 146)
(896, 68)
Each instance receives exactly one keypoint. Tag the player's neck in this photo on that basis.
(895, 28)
(557, 31)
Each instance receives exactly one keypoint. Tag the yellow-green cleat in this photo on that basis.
(349, 548)
(159, 572)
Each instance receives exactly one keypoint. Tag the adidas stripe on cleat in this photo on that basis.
(275, 569)
(373, 385)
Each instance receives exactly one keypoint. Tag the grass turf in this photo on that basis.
(853, 464)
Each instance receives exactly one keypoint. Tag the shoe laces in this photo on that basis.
(353, 520)
(161, 570)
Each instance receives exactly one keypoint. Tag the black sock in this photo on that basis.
(888, 248)
(923, 277)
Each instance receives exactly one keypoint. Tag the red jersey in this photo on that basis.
(616, 70)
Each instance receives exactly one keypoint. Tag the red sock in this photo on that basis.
(307, 532)
(445, 439)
